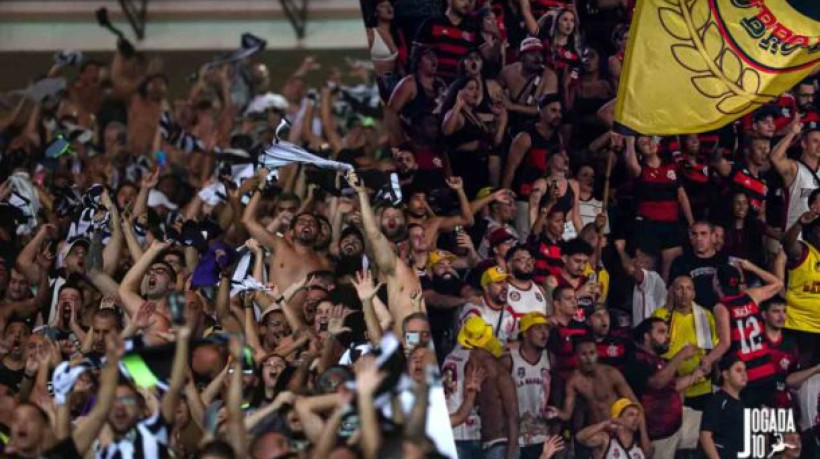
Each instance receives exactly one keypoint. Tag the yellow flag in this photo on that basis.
(695, 65)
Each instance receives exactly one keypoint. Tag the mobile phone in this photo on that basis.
(176, 303)
(412, 339)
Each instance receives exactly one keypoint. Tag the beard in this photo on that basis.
(395, 235)
(448, 284)
(660, 349)
(521, 275)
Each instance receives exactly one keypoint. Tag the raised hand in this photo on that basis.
(455, 183)
(364, 285)
(335, 325)
(149, 181)
(355, 182)
(368, 376)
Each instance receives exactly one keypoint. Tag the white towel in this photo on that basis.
(702, 328)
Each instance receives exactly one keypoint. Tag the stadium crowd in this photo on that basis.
(248, 271)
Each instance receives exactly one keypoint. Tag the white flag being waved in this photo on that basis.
(282, 153)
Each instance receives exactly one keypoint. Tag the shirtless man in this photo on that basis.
(144, 110)
(293, 256)
(497, 405)
(525, 81)
(799, 176)
(401, 279)
(597, 384)
(151, 279)
(419, 212)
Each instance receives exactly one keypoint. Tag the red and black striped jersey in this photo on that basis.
(747, 330)
(754, 187)
(656, 193)
(534, 164)
(548, 261)
(451, 42)
(785, 357)
(561, 343)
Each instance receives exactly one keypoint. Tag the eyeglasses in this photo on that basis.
(127, 400)
(162, 271)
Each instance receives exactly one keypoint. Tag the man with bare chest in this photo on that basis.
(144, 111)
(402, 280)
(293, 256)
(598, 385)
(497, 407)
(524, 82)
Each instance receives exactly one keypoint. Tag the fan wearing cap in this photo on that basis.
(525, 82)
(721, 431)
(493, 307)
(462, 379)
(293, 256)
(528, 363)
(740, 327)
(800, 176)
(497, 402)
(444, 292)
(499, 215)
(622, 435)
(803, 294)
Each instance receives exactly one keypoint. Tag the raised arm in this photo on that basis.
(631, 156)
(179, 368)
(87, 431)
(466, 217)
(235, 422)
(772, 285)
(366, 291)
(112, 250)
(786, 167)
(256, 230)
(795, 249)
(129, 289)
(26, 262)
(383, 253)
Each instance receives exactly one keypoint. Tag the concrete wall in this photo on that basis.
(38, 25)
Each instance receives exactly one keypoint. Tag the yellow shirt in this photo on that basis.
(603, 279)
(682, 332)
(803, 294)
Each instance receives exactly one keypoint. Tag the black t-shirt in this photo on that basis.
(702, 271)
(11, 378)
(723, 417)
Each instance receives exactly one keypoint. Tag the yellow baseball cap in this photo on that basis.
(484, 192)
(476, 333)
(531, 319)
(620, 405)
(439, 255)
(494, 274)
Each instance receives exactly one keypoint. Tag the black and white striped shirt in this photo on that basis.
(147, 440)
